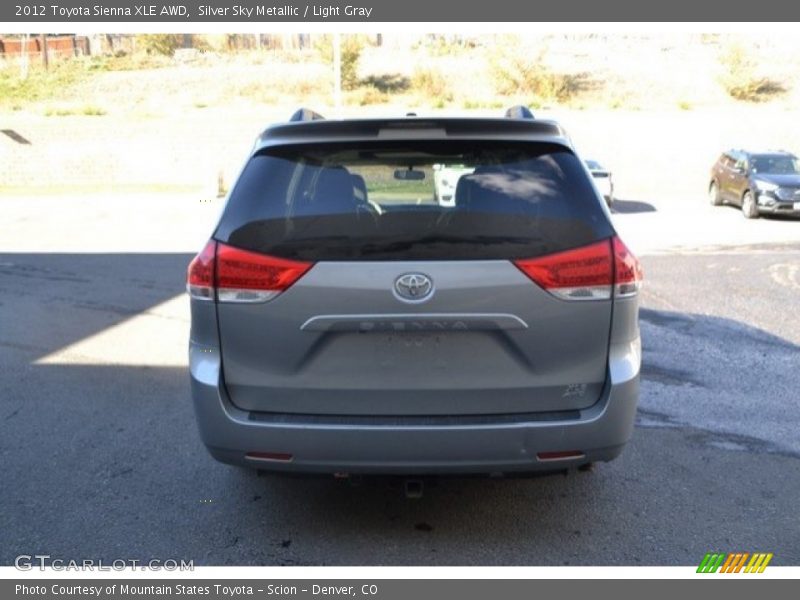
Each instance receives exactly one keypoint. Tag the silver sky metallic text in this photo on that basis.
(237, 10)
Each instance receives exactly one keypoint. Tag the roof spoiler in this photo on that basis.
(305, 114)
(519, 112)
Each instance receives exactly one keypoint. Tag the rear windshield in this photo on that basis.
(413, 201)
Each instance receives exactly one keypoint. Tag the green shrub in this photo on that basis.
(160, 43)
(388, 82)
(432, 84)
(741, 79)
(351, 47)
(516, 73)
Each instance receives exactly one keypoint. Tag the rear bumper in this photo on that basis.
(363, 446)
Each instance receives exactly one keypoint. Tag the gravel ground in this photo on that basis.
(99, 454)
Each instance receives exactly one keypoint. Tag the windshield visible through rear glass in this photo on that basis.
(775, 165)
(413, 201)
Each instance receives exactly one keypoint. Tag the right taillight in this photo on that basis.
(234, 275)
(628, 272)
(590, 272)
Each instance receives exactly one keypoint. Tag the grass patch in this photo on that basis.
(477, 104)
(69, 111)
(128, 62)
(365, 96)
(296, 89)
(40, 84)
(59, 112)
(92, 111)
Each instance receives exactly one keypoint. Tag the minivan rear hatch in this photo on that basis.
(395, 301)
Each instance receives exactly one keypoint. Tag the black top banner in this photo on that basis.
(360, 11)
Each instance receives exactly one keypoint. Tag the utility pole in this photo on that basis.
(337, 73)
(43, 42)
(24, 57)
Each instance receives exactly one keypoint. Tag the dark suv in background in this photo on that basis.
(758, 182)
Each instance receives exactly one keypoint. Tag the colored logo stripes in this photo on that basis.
(734, 562)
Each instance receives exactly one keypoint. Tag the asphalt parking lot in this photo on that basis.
(100, 457)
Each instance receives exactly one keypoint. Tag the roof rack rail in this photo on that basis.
(305, 114)
(519, 112)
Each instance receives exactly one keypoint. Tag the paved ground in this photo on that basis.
(99, 455)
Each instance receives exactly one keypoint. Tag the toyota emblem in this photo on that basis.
(413, 287)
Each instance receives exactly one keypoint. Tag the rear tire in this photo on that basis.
(749, 208)
(713, 194)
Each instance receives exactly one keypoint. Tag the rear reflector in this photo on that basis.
(586, 273)
(273, 456)
(239, 275)
(563, 455)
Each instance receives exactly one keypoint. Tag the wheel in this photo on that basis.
(713, 194)
(749, 208)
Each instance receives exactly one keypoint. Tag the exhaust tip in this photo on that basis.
(413, 489)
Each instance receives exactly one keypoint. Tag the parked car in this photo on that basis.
(602, 179)
(497, 335)
(758, 182)
(445, 181)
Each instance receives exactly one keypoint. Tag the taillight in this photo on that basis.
(628, 272)
(241, 276)
(200, 276)
(586, 273)
(244, 276)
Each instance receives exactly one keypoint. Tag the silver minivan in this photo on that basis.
(346, 322)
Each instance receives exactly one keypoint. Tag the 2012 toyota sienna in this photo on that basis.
(344, 321)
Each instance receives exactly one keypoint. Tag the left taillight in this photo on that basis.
(235, 275)
(200, 275)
